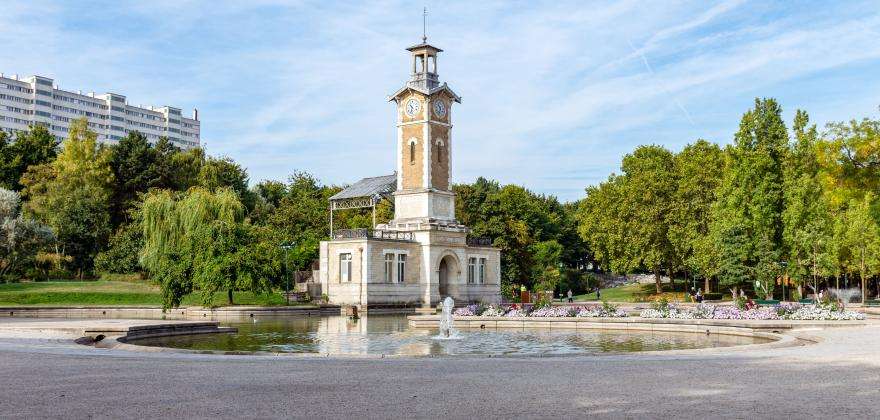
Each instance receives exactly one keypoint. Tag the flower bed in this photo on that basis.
(776, 312)
(588, 311)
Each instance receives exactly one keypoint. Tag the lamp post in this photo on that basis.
(287, 247)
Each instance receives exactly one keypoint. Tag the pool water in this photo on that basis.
(392, 335)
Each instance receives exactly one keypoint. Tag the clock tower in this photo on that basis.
(424, 145)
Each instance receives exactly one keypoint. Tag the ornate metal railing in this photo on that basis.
(479, 241)
(341, 234)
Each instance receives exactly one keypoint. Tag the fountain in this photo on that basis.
(845, 296)
(447, 332)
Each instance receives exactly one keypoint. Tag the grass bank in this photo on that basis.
(641, 293)
(112, 293)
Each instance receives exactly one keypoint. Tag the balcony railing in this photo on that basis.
(479, 241)
(343, 234)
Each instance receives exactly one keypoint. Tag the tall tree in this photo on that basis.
(649, 190)
(72, 195)
(601, 224)
(807, 222)
(698, 172)
(850, 160)
(225, 172)
(861, 238)
(36, 146)
(749, 211)
(133, 160)
(302, 217)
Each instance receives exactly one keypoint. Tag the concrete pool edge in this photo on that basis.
(125, 338)
(777, 340)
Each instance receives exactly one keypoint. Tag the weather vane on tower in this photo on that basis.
(425, 25)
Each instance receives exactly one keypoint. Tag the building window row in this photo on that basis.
(144, 116)
(19, 110)
(14, 120)
(79, 101)
(16, 99)
(19, 89)
(79, 112)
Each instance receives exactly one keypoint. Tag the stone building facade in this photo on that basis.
(424, 254)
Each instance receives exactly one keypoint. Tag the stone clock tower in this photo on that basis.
(424, 254)
(424, 146)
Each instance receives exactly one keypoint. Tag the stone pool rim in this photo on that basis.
(777, 340)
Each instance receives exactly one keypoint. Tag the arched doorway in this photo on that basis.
(448, 273)
(444, 278)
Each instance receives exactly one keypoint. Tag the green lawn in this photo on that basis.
(102, 293)
(640, 293)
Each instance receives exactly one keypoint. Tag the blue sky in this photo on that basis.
(554, 93)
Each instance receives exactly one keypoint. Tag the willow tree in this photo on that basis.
(174, 227)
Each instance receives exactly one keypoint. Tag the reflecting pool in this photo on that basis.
(392, 335)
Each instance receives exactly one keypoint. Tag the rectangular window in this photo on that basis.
(472, 262)
(389, 267)
(482, 270)
(401, 267)
(344, 267)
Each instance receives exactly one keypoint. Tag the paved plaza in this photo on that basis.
(838, 377)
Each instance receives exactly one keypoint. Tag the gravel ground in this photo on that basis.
(839, 378)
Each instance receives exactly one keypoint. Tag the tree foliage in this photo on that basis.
(20, 237)
(200, 239)
(72, 195)
(36, 146)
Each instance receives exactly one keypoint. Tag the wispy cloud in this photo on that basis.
(554, 92)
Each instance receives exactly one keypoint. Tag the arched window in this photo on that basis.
(439, 153)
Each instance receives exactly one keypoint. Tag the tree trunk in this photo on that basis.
(864, 280)
(229, 296)
(706, 285)
(672, 280)
(657, 280)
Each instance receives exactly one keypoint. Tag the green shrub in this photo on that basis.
(712, 296)
(122, 254)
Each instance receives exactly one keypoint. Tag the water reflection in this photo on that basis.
(391, 334)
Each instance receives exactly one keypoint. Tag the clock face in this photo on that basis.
(440, 109)
(413, 106)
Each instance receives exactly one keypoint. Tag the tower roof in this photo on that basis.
(425, 46)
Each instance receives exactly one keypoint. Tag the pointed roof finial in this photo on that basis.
(425, 25)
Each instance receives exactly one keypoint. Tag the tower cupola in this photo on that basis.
(424, 66)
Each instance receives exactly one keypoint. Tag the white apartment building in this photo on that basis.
(37, 101)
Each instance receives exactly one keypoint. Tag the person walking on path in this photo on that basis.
(598, 293)
(570, 300)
